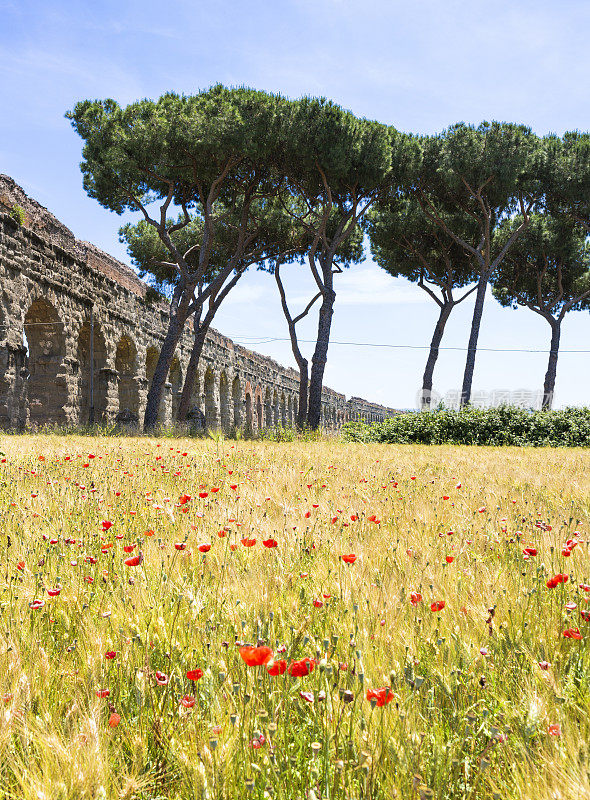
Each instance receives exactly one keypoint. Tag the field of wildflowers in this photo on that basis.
(300, 621)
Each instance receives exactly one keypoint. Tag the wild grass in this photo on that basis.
(475, 711)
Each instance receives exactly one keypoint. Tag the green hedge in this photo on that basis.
(505, 425)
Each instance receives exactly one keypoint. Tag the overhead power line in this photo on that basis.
(268, 340)
(255, 340)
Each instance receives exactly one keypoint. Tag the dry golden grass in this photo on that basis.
(470, 709)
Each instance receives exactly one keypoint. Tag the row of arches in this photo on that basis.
(84, 372)
(80, 375)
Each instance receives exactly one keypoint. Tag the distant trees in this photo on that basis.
(482, 175)
(270, 236)
(547, 270)
(350, 251)
(230, 178)
(405, 243)
(337, 165)
(205, 155)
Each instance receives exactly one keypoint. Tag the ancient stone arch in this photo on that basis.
(225, 414)
(127, 386)
(236, 392)
(249, 411)
(44, 340)
(259, 409)
(210, 400)
(92, 389)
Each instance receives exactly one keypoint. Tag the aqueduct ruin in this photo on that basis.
(79, 342)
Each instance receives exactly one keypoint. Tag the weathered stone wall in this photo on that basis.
(63, 299)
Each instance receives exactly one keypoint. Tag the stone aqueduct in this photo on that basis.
(64, 302)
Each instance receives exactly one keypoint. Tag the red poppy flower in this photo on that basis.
(380, 696)
(187, 701)
(204, 548)
(203, 495)
(248, 542)
(36, 604)
(180, 545)
(307, 514)
(114, 720)
(557, 579)
(554, 730)
(572, 633)
(256, 656)
(134, 561)
(103, 692)
(298, 669)
(110, 654)
(349, 559)
(129, 548)
(194, 674)
(184, 499)
(161, 678)
(530, 551)
(318, 603)
(449, 559)
(53, 592)
(106, 524)
(269, 542)
(277, 667)
(437, 605)
(415, 598)
(308, 696)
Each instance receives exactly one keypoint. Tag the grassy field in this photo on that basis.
(433, 662)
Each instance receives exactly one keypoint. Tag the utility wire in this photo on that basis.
(254, 340)
(247, 340)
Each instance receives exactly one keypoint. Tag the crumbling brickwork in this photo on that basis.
(65, 303)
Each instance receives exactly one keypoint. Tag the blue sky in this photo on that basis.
(418, 65)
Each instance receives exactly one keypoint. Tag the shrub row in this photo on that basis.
(504, 425)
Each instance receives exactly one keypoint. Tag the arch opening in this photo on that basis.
(236, 396)
(210, 406)
(126, 367)
(44, 341)
(224, 404)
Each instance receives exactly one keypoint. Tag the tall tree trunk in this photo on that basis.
(178, 316)
(473, 337)
(320, 355)
(303, 390)
(549, 385)
(439, 329)
(191, 372)
(433, 355)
